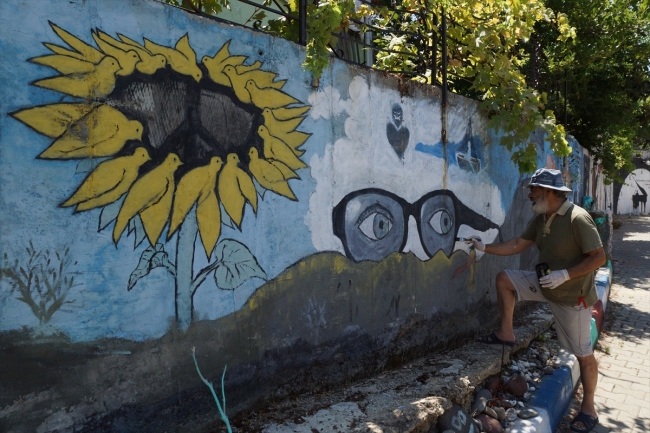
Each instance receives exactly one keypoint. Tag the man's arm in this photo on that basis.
(592, 261)
(512, 247)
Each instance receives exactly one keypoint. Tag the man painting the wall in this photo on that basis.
(570, 250)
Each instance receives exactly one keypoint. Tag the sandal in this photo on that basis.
(493, 339)
(589, 423)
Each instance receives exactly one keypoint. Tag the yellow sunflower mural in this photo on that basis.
(167, 139)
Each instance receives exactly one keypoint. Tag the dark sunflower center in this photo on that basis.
(196, 121)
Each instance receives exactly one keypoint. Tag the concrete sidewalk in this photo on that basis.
(623, 393)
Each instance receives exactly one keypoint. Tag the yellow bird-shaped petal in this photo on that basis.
(240, 69)
(126, 59)
(216, 64)
(108, 181)
(54, 119)
(276, 149)
(132, 43)
(182, 58)
(268, 175)
(294, 139)
(87, 52)
(103, 132)
(151, 197)
(155, 216)
(276, 126)
(97, 83)
(69, 53)
(284, 169)
(148, 63)
(235, 186)
(223, 53)
(190, 187)
(238, 84)
(289, 113)
(208, 216)
(263, 79)
(268, 98)
(64, 64)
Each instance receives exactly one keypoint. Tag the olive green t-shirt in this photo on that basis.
(570, 235)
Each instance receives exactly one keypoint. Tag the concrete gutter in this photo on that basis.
(409, 399)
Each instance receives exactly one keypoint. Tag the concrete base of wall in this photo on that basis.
(409, 399)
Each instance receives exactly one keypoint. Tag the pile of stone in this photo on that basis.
(504, 398)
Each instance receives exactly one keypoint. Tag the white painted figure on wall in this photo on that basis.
(633, 196)
(639, 199)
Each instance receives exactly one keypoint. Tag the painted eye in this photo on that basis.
(441, 222)
(375, 223)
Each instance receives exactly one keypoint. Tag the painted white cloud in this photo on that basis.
(326, 103)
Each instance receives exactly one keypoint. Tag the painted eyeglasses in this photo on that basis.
(373, 223)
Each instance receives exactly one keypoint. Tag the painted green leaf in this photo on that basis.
(150, 259)
(236, 265)
(143, 268)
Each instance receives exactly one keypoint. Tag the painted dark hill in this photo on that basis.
(317, 325)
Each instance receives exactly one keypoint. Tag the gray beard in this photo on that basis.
(540, 207)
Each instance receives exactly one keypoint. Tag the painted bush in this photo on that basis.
(171, 182)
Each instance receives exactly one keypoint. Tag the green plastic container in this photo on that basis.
(594, 332)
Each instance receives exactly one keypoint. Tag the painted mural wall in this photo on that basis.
(169, 182)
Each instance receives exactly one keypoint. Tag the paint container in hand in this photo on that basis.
(542, 269)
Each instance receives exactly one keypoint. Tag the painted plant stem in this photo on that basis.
(186, 284)
(222, 409)
(184, 268)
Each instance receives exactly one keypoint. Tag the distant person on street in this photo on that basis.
(570, 246)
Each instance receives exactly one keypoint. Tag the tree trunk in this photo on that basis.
(184, 270)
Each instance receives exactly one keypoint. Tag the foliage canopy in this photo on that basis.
(607, 76)
(513, 56)
(486, 60)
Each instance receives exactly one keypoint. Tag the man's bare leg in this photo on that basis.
(506, 298)
(589, 378)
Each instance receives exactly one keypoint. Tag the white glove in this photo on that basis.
(554, 279)
(478, 243)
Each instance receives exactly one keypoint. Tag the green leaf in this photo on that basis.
(150, 259)
(236, 265)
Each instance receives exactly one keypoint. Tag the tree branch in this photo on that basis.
(23, 288)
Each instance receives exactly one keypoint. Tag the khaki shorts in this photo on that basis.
(573, 324)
